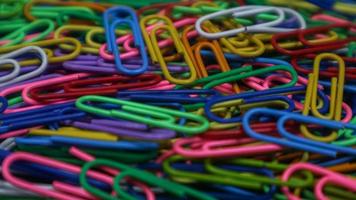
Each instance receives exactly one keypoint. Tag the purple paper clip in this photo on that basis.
(126, 129)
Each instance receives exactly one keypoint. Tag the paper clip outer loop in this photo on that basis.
(26, 90)
(155, 51)
(293, 140)
(19, 35)
(136, 31)
(278, 114)
(9, 160)
(328, 176)
(336, 97)
(180, 50)
(15, 72)
(167, 116)
(38, 71)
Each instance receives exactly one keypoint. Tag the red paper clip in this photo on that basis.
(98, 86)
(312, 47)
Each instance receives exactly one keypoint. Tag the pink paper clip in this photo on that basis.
(62, 193)
(329, 18)
(200, 148)
(163, 85)
(15, 89)
(327, 177)
(8, 176)
(73, 190)
(25, 92)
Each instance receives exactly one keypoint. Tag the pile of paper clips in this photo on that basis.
(215, 99)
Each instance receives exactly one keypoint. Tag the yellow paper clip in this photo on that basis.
(237, 45)
(75, 132)
(87, 48)
(336, 96)
(48, 43)
(155, 51)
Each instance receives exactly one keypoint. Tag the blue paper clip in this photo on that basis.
(325, 4)
(59, 140)
(118, 16)
(3, 104)
(176, 96)
(337, 161)
(295, 141)
(46, 115)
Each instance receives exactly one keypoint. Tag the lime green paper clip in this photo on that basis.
(146, 177)
(152, 115)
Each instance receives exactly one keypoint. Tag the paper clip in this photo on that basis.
(29, 75)
(88, 143)
(267, 98)
(146, 177)
(194, 176)
(112, 171)
(221, 61)
(26, 91)
(313, 46)
(49, 165)
(327, 177)
(46, 43)
(11, 8)
(295, 141)
(196, 8)
(115, 127)
(161, 117)
(82, 10)
(187, 147)
(110, 84)
(35, 117)
(244, 72)
(74, 132)
(155, 51)
(80, 87)
(20, 34)
(336, 96)
(247, 11)
(172, 96)
(13, 90)
(3, 104)
(264, 178)
(15, 72)
(327, 71)
(119, 16)
(197, 57)
(87, 47)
